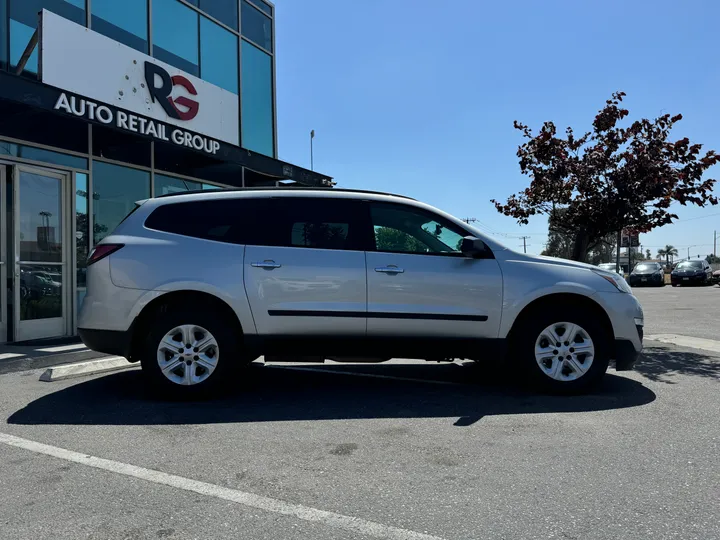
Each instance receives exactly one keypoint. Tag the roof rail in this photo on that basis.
(281, 188)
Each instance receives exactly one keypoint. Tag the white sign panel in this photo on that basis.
(84, 62)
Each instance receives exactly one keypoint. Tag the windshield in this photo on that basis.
(647, 267)
(691, 265)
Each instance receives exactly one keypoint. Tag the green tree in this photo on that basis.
(389, 239)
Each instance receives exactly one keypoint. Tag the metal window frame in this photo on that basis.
(23, 142)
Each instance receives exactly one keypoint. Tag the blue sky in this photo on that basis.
(418, 97)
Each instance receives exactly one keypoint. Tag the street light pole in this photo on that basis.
(312, 136)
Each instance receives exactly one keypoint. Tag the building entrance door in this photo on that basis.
(40, 273)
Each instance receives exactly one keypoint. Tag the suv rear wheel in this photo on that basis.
(188, 352)
(563, 351)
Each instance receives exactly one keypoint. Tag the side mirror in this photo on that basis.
(473, 247)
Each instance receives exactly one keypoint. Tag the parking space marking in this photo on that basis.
(369, 375)
(306, 513)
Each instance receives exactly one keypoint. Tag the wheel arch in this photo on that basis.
(172, 300)
(552, 301)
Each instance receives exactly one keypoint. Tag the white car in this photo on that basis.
(191, 285)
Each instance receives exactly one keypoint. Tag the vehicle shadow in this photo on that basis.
(659, 364)
(277, 393)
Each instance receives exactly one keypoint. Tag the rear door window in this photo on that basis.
(317, 223)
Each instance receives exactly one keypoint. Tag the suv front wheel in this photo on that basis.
(188, 352)
(563, 352)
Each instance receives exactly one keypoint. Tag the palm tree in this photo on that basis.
(667, 252)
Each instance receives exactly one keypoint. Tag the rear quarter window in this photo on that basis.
(225, 220)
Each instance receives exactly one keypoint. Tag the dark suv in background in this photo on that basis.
(696, 272)
(651, 273)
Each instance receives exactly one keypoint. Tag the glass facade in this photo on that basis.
(124, 21)
(24, 20)
(175, 35)
(115, 190)
(256, 26)
(218, 55)
(182, 37)
(256, 102)
(40, 154)
(82, 234)
(164, 185)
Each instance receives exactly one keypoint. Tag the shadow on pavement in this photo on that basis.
(660, 363)
(276, 394)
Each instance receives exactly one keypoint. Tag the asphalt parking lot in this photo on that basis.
(688, 311)
(409, 451)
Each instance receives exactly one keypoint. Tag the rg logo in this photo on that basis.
(162, 93)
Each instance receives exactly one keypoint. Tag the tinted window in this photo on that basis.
(175, 35)
(165, 185)
(225, 11)
(218, 55)
(221, 220)
(409, 230)
(264, 6)
(124, 21)
(257, 100)
(256, 26)
(314, 223)
(115, 191)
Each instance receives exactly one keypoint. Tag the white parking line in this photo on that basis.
(8, 356)
(340, 521)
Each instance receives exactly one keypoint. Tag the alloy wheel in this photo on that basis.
(188, 354)
(564, 351)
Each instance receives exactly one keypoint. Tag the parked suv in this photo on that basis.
(192, 285)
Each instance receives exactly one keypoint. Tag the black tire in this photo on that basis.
(524, 349)
(228, 345)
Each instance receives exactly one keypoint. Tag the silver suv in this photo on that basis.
(196, 284)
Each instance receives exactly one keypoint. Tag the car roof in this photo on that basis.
(325, 192)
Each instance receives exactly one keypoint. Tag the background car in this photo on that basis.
(716, 276)
(610, 267)
(696, 272)
(647, 273)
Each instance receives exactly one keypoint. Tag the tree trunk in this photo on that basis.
(580, 247)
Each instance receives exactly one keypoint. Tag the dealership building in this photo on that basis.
(107, 102)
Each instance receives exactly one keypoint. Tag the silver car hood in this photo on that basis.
(513, 255)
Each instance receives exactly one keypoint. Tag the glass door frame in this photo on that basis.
(3, 255)
(51, 327)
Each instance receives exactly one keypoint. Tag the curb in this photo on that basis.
(81, 369)
(686, 341)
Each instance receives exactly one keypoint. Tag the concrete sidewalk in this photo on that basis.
(48, 353)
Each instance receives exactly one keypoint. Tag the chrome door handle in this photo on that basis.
(389, 269)
(266, 264)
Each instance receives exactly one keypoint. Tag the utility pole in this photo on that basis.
(469, 220)
(312, 136)
(715, 243)
(524, 238)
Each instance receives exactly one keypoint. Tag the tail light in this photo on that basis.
(102, 251)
